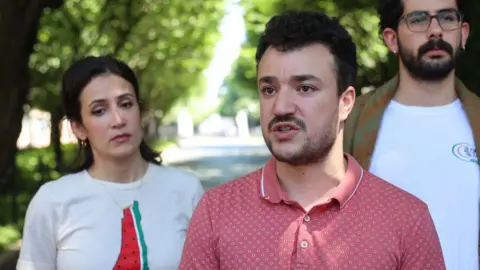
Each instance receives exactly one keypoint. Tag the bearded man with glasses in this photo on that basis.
(420, 131)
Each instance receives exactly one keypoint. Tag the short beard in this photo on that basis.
(312, 151)
(422, 69)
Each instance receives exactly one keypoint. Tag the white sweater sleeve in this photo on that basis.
(38, 251)
(197, 195)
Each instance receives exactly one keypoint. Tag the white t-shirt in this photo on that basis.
(430, 152)
(74, 223)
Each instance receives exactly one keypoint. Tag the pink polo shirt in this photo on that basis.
(251, 223)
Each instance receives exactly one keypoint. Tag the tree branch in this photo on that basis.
(126, 32)
(102, 25)
(74, 25)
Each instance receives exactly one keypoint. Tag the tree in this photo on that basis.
(468, 66)
(18, 33)
(168, 44)
(376, 65)
(66, 34)
(357, 16)
(181, 38)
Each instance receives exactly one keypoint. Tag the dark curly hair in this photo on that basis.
(293, 30)
(390, 12)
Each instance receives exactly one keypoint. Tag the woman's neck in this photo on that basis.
(119, 171)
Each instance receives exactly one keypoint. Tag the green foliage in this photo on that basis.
(376, 65)
(238, 96)
(167, 43)
(8, 235)
(198, 105)
(182, 37)
(39, 164)
(357, 16)
(161, 144)
(34, 167)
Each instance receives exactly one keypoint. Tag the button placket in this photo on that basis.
(304, 244)
(306, 218)
(305, 247)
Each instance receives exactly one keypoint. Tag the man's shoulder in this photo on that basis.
(391, 195)
(387, 87)
(363, 98)
(238, 188)
(352, 121)
(470, 96)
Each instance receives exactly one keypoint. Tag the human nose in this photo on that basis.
(435, 30)
(284, 103)
(118, 119)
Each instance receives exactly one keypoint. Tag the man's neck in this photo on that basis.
(120, 171)
(309, 185)
(414, 92)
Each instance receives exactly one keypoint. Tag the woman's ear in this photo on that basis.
(78, 130)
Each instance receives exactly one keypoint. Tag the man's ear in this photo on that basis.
(346, 103)
(391, 40)
(465, 34)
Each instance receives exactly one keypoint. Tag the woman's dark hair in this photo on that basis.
(75, 79)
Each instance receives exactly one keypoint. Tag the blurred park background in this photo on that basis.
(195, 63)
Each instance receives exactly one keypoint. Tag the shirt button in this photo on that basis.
(304, 244)
(306, 218)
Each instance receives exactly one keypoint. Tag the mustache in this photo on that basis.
(435, 44)
(287, 118)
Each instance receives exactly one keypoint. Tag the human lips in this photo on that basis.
(284, 127)
(436, 52)
(122, 137)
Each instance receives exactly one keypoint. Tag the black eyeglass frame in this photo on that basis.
(458, 14)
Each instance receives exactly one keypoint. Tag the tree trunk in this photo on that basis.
(157, 126)
(55, 135)
(19, 23)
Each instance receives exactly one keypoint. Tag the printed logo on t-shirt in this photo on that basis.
(465, 152)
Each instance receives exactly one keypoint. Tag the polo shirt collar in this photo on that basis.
(272, 191)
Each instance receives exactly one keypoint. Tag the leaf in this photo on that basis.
(167, 43)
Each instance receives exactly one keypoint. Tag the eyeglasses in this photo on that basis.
(420, 21)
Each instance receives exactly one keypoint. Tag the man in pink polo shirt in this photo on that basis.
(311, 206)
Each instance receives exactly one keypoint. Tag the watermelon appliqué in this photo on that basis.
(133, 253)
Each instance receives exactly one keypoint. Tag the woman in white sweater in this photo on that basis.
(120, 208)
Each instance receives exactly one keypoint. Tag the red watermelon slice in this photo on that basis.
(133, 253)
